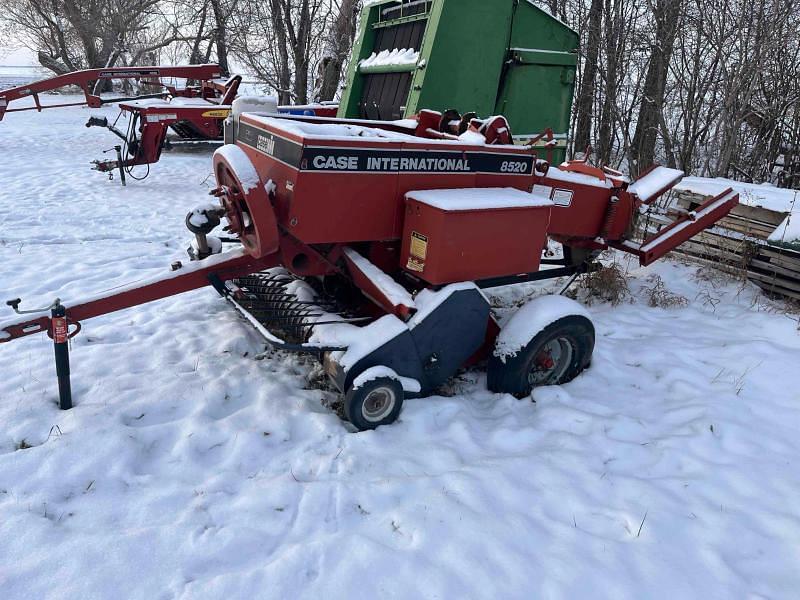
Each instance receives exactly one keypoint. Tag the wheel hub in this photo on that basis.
(378, 404)
(551, 362)
(233, 211)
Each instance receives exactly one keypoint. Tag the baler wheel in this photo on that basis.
(374, 403)
(555, 355)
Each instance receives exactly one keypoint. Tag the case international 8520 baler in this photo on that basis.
(368, 244)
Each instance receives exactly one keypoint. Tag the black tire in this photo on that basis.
(362, 406)
(573, 339)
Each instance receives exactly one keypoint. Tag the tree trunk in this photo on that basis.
(194, 57)
(668, 146)
(613, 31)
(667, 14)
(339, 44)
(299, 38)
(284, 75)
(585, 101)
(48, 62)
(220, 36)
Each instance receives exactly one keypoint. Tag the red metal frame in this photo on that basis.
(212, 104)
(372, 290)
(204, 115)
(155, 121)
(82, 79)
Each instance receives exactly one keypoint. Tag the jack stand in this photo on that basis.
(60, 334)
(120, 164)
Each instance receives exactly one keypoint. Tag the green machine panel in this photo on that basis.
(488, 56)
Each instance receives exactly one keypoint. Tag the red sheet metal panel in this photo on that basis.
(465, 244)
(350, 188)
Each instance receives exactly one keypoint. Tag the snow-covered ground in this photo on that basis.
(194, 466)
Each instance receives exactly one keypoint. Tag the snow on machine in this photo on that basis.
(368, 244)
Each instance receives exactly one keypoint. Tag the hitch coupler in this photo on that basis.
(202, 221)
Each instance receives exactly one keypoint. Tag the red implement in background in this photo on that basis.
(194, 113)
(192, 119)
(155, 76)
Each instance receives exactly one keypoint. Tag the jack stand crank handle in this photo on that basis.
(17, 301)
(120, 164)
(60, 332)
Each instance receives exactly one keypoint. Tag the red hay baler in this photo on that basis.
(367, 244)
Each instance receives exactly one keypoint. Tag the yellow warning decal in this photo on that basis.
(217, 113)
(419, 246)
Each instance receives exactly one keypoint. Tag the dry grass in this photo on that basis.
(658, 296)
(715, 275)
(23, 445)
(607, 284)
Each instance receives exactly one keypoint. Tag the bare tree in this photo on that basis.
(75, 34)
(614, 54)
(222, 12)
(338, 44)
(667, 17)
(279, 40)
(585, 99)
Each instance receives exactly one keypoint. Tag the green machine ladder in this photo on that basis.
(504, 57)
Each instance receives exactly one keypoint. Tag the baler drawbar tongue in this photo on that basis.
(182, 278)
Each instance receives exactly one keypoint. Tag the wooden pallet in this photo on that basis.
(738, 244)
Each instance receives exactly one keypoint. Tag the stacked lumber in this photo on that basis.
(738, 244)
